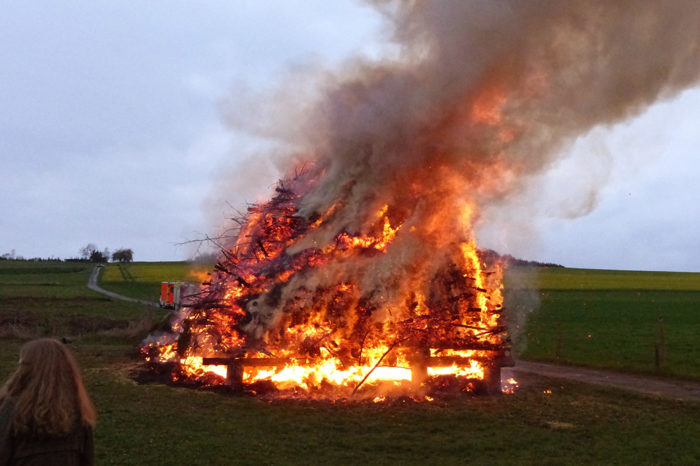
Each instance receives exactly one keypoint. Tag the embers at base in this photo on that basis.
(441, 387)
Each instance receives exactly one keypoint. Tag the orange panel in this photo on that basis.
(164, 292)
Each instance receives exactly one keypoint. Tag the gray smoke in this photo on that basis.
(542, 72)
(482, 95)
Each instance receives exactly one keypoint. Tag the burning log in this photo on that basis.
(419, 361)
(379, 361)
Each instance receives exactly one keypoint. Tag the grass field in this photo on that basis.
(610, 319)
(50, 298)
(142, 279)
(545, 422)
(574, 424)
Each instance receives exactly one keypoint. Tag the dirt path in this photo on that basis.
(649, 385)
(92, 284)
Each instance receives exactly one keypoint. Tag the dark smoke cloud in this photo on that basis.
(553, 69)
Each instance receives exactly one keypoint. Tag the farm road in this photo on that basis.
(92, 284)
(666, 388)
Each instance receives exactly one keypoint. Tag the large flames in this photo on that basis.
(310, 318)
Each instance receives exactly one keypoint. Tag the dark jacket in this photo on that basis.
(76, 448)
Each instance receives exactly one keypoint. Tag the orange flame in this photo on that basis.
(337, 336)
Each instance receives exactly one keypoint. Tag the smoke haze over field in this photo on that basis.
(506, 99)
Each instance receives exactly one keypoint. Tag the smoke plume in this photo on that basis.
(481, 96)
(491, 91)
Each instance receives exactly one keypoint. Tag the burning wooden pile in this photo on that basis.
(296, 306)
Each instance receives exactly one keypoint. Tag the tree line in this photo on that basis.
(90, 252)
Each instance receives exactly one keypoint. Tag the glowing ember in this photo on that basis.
(510, 386)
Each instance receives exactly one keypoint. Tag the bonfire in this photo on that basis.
(356, 310)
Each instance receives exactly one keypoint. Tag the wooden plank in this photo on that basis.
(422, 360)
(446, 361)
(249, 362)
(471, 346)
(419, 365)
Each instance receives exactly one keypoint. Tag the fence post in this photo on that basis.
(559, 343)
(660, 348)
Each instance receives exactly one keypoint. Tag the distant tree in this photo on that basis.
(92, 254)
(123, 255)
(87, 251)
(98, 256)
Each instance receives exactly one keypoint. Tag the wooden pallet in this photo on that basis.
(420, 361)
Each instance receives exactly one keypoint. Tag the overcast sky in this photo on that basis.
(111, 133)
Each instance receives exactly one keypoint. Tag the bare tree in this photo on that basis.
(87, 251)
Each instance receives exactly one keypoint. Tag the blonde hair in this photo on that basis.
(47, 391)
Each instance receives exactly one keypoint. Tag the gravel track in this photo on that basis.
(92, 284)
(683, 390)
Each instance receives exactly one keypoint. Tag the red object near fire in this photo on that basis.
(172, 294)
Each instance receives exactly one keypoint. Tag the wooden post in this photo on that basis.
(234, 375)
(419, 366)
(235, 365)
(660, 349)
(559, 343)
(492, 377)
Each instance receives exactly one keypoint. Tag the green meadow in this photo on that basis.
(51, 298)
(546, 422)
(142, 279)
(646, 322)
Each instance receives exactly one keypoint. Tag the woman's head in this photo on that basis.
(47, 390)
